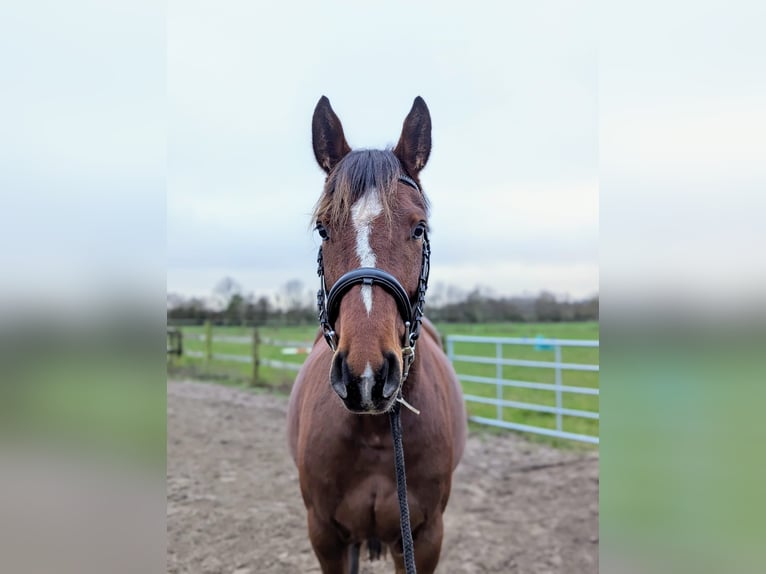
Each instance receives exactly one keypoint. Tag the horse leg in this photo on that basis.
(353, 558)
(428, 544)
(330, 550)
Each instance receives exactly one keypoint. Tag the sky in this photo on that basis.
(512, 176)
(153, 147)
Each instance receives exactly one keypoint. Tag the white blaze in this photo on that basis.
(368, 381)
(363, 213)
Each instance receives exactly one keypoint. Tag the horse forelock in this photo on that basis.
(359, 173)
(369, 214)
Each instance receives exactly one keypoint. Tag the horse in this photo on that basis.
(372, 217)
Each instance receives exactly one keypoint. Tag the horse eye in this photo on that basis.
(419, 231)
(322, 232)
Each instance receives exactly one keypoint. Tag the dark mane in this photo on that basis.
(356, 174)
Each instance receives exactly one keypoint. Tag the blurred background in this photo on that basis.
(82, 281)
(681, 176)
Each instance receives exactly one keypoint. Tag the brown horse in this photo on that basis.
(372, 217)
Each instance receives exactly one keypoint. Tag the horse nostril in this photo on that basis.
(391, 374)
(383, 372)
(337, 379)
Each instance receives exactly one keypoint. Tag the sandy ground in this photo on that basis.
(234, 506)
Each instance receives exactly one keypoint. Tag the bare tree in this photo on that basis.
(225, 290)
(294, 294)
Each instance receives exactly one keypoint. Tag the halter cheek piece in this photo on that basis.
(328, 304)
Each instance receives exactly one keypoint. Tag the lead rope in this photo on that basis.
(408, 546)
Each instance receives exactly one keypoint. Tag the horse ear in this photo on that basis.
(414, 145)
(327, 136)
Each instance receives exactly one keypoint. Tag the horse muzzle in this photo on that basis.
(372, 391)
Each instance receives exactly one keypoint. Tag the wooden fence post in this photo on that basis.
(256, 356)
(180, 335)
(208, 341)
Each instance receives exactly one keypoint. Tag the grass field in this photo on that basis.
(281, 380)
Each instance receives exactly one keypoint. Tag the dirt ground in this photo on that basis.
(234, 506)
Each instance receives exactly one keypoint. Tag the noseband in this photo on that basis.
(328, 304)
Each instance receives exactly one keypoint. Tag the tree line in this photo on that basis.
(296, 305)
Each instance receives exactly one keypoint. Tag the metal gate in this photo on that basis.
(491, 352)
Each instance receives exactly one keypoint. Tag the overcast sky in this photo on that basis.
(149, 146)
(513, 171)
(129, 128)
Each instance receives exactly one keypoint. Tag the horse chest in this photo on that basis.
(357, 490)
(369, 509)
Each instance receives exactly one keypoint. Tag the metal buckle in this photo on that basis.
(408, 357)
(329, 335)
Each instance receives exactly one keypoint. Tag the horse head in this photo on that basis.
(373, 221)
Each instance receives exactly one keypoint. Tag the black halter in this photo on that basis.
(328, 304)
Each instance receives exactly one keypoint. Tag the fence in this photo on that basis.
(488, 352)
(175, 344)
(254, 341)
(501, 383)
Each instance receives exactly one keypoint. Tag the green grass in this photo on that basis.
(281, 380)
